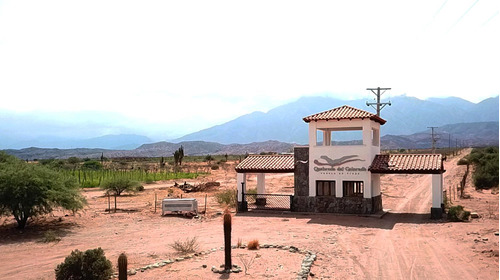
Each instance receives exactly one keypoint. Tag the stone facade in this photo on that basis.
(301, 176)
(329, 204)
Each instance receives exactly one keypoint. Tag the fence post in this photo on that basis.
(205, 204)
(291, 203)
(155, 202)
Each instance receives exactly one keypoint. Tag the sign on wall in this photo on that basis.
(326, 163)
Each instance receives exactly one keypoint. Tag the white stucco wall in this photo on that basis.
(350, 171)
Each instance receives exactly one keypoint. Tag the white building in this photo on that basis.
(335, 176)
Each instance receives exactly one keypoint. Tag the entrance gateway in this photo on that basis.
(331, 176)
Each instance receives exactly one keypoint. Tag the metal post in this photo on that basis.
(155, 202)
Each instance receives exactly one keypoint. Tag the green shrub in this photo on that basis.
(458, 214)
(88, 265)
(227, 197)
(119, 185)
(92, 165)
(486, 167)
(139, 188)
(251, 191)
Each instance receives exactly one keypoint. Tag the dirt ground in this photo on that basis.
(404, 244)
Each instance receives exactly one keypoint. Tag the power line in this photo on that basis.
(378, 105)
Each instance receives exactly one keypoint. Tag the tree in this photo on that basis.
(118, 185)
(92, 164)
(73, 160)
(88, 265)
(28, 190)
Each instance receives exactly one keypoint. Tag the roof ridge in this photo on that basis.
(344, 112)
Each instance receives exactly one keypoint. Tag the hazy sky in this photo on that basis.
(193, 64)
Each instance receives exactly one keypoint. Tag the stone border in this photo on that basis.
(304, 272)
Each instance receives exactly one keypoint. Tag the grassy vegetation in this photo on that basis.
(226, 198)
(94, 178)
(91, 173)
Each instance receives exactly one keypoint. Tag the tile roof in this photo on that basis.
(344, 113)
(266, 164)
(408, 163)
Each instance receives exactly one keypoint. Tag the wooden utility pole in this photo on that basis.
(378, 105)
(433, 138)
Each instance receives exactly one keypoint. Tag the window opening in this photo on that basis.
(325, 188)
(353, 188)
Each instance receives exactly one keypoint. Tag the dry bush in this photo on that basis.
(50, 236)
(240, 243)
(190, 245)
(253, 245)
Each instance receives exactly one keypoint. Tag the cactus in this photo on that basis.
(122, 267)
(227, 240)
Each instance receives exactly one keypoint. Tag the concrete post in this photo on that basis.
(437, 196)
(241, 178)
(261, 183)
(261, 189)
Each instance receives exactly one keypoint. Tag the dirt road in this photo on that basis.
(404, 244)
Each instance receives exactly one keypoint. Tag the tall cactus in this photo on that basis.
(122, 267)
(227, 240)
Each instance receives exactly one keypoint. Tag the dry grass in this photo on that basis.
(190, 245)
(253, 245)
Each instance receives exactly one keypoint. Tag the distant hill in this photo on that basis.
(193, 148)
(470, 134)
(114, 142)
(406, 116)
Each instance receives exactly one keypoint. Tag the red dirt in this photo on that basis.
(404, 244)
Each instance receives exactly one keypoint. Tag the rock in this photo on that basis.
(204, 266)
(235, 270)
(179, 259)
(156, 265)
(496, 233)
(132, 272)
(474, 215)
(312, 274)
(485, 239)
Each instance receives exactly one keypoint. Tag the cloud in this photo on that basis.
(189, 65)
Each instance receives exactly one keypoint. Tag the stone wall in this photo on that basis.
(301, 176)
(328, 204)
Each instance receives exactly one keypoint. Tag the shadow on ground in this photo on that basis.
(34, 231)
(388, 221)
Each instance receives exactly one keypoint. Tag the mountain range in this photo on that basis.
(470, 134)
(407, 121)
(406, 116)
